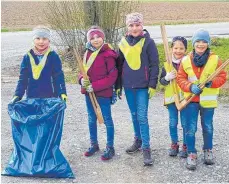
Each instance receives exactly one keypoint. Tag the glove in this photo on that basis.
(151, 92)
(113, 98)
(208, 84)
(15, 99)
(89, 89)
(119, 93)
(195, 89)
(63, 97)
(85, 82)
(171, 75)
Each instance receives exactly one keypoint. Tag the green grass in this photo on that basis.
(15, 29)
(219, 46)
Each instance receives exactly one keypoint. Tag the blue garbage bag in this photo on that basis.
(37, 126)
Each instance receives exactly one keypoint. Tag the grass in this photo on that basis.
(218, 46)
(15, 29)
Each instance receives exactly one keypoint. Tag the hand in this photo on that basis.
(208, 84)
(151, 92)
(119, 93)
(171, 75)
(85, 82)
(63, 97)
(113, 98)
(15, 99)
(195, 89)
(89, 89)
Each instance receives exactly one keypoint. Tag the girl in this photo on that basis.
(138, 74)
(99, 62)
(195, 68)
(179, 47)
(41, 74)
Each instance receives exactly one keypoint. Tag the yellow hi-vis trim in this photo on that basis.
(87, 64)
(208, 98)
(169, 91)
(132, 54)
(37, 69)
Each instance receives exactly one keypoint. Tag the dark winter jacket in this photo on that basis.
(147, 75)
(50, 83)
(163, 74)
(103, 72)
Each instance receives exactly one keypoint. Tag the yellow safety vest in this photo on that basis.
(37, 69)
(169, 92)
(132, 54)
(208, 98)
(87, 64)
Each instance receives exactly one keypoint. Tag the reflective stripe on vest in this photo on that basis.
(169, 92)
(91, 59)
(37, 69)
(192, 79)
(132, 54)
(208, 98)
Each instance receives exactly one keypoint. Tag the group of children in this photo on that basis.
(134, 69)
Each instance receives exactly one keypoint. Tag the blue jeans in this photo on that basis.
(206, 114)
(105, 105)
(138, 100)
(173, 122)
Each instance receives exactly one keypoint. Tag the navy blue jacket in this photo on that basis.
(50, 83)
(147, 75)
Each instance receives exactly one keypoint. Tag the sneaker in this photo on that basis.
(174, 150)
(208, 157)
(183, 152)
(191, 161)
(108, 153)
(91, 151)
(135, 147)
(148, 161)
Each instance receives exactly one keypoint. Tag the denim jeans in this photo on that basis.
(206, 115)
(138, 100)
(105, 105)
(173, 122)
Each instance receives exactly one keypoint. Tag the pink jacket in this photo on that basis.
(103, 72)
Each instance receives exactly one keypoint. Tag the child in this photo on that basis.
(138, 74)
(179, 47)
(99, 62)
(41, 74)
(195, 68)
(37, 122)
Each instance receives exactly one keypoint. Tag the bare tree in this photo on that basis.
(71, 19)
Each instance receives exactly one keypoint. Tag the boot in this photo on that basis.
(173, 151)
(183, 153)
(108, 153)
(191, 161)
(148, 161)
(91, 151)
(135, 147)
(208, 157)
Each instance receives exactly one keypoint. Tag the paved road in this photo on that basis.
(15, 44)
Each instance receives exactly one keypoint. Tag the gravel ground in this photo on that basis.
(124, 168)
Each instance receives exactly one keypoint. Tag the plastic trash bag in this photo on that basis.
(37, 126)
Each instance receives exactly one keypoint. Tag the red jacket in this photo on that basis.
(182, 78)
(103, 72)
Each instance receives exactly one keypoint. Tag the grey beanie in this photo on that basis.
(41, 31)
